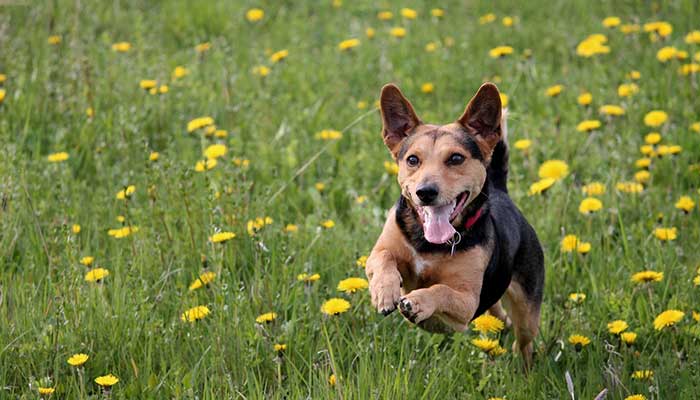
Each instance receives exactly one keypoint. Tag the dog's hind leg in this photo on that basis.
(525, 314)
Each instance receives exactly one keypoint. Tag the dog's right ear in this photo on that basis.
(398, 117)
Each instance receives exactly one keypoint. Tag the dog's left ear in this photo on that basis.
(398, 117)
(482, 118)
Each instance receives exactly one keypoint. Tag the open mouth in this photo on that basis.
(437, 220)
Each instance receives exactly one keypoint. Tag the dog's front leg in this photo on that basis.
(457, 306)
(384, 280)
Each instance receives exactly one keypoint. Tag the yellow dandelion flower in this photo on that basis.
(655, 118)
(611, 22)
(280, 347)
(385, 15)
(554, 91)
(221, 237)
(202, 47)
(689, 69)
(504, 99)
(348, 44)
(362, 262)
(120, 233)
(612, 110)
(308, 278)
(569, 243)
(647, 276)
(76, 229)
(666, 234)
(437, 12)
(195, 314)
(666, 53)
(579, 341)
(96, 274)
(627, 89)
(203, 280)
(215, 151)
(335, 306)
(77, 360)
(328, 224)
(2, 95)
(522, 144)
(391, 168)
(636, 397)
(636, 75)
(487, 18)
(46, 390)
(628, 338)
(555, 169)
(266, 318)
(121, 47)
(254, 14)
(329, 134)
(106, 380)
(291, 228)
(147, 84)
(57, 157)
(332, 380)
(644, 374)
(500, 51)
(617, 327)
(577, 298)
(594, 189)
(507, 21)
(693, 37)
(409, 13)
(427, 87)
(199, 123)
(180, 72)
(351, 285)
(584, 98)
(685, 203)
(628, 29)
(696, 281)
(370, 33)
(642, 176)
(588, 125)
(497, 351)
(397, 32)
(661, 28)
(87, 260)
(592, 45)
(360, 199)
(261, 71)
(629, 187)
(652, 138)
(279, 56)
(668, 318)
(583, 248)
(54, 40)
(126, 193)
(644, 162)
(485, 344)
(541, 186)
(205, 165)
(487, 323)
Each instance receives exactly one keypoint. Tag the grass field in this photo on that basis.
(303, 181)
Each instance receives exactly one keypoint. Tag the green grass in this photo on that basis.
(130, 324)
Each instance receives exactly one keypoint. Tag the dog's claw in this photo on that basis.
(387, 311)
(407, 309)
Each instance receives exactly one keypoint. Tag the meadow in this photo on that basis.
(184, 185)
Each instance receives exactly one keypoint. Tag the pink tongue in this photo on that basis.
(436, 226)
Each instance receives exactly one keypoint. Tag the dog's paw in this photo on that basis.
(385, 290)
(415, 308)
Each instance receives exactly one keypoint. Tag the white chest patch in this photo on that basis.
(419, 264)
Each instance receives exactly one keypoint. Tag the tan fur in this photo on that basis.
(441, 286)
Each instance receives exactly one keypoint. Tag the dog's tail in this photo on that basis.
(498, 168)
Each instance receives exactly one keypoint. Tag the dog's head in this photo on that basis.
(442, 168)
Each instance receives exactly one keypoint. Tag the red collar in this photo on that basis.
(472, 220)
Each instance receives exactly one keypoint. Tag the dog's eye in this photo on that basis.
(455, 159)
(412, 161)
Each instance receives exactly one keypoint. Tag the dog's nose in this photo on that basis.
(427, 193)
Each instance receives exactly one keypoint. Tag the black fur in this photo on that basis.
(516, 251)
